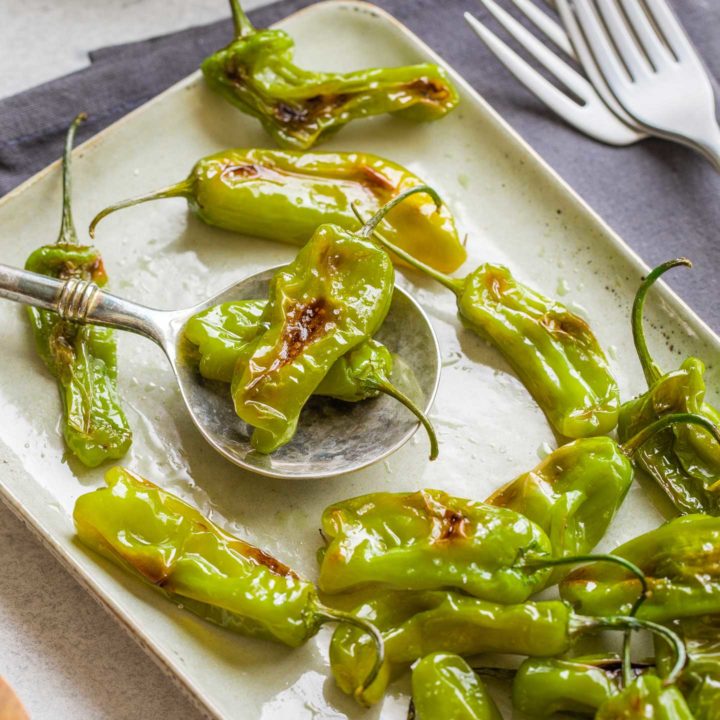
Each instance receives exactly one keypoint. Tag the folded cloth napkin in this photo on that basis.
(663, 199)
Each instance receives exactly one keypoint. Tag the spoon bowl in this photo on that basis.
(332, 438)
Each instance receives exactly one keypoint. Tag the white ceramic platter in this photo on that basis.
(514, 209)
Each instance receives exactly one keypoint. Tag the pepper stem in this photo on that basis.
(453, 284)
(637, 441)
(651, 371)
(68, 234)
(626, 622)
(388, 388)
(243, 26)
(326, 614)
(631, 567)
(181, 189)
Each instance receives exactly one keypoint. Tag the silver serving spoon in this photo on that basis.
(332, 438)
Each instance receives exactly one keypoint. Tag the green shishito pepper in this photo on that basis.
(444, 687)
(224, 332)
(427, 540)
(330, 299)
(684, 460)
(191, 560)
(680, 562)
(552, 350)
(284, 196)
(415, 624)
(700, 680)
(577, 686)
(256, 74)
(83, 358)
(646, 698)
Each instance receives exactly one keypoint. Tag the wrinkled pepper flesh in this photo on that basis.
(284, 196)
(415, 624)
(444, 687)
(543, 687)
(428, 540)
(680, 563)
(553, 351)
(646, 698)
(298, 108)
(223, 334)
(683, 460)
(195, 563)
(83, 358)
(573, 494)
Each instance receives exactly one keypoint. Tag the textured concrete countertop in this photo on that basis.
(61, 652)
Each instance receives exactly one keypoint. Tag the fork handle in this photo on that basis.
(81, 301)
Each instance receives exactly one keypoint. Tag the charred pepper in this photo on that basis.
(680, 563)
(683, 460)
(222, 334)
(646, 698)
(444, 687)
(284, 196)
(552, 350)
(213, 574)
(415, 624)
(256, 74)
(330, 299)
(428, 540)
(83, 358)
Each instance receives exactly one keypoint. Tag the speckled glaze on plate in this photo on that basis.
(514, 209)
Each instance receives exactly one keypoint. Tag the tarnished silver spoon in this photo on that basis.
(332, 438)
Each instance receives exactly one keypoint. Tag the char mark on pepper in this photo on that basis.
(565, 324)
(454, 526)
(430, 89)
(297, 115)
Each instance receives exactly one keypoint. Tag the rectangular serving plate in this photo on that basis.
(514, 209)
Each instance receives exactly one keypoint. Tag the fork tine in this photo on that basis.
(620, 34)
(561, 70)
(546, 25)
(593, 118)
(526, 74)
(641, 24)
(604, 53)
(671, 29)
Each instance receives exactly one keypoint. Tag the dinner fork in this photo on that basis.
(650, 66)
(597, 114)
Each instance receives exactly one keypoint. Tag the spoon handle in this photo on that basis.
(84, 302)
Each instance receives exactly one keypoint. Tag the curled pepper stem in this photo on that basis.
(637, 441)
(68, 234)
(626, 622)
(651, 371)
(628, 565)
(182, 189)
(325, 614)
(243, 26)
(453, 284)
(388, 388)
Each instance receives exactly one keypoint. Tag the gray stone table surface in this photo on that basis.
(62, 653)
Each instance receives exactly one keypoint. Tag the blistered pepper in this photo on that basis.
(444, 687)
(284, 196)
(680, 562)
(223, 333)
(578, 686)
(646, 698)
(573, 494)
(195, 563)
(553, 351)
(330, 299)
(684, 460)
(700, 680)
(428, 540)
(83, 358)
(256, 74)
(415, 624)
